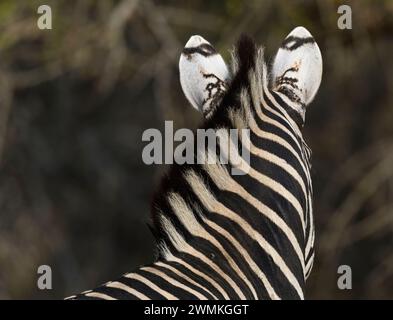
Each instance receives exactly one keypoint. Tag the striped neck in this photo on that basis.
(253, 233)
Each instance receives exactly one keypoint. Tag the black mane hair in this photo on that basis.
(245, 54)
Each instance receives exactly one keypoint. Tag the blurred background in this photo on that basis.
(74, 101)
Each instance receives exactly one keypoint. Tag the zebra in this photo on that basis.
(247, 236)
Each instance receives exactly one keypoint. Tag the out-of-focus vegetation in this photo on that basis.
(74, 101)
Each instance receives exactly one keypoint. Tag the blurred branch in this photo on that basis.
(115, 38)
(162, 31)
(353, 166)
(374, 225)
(187, 17)
(378, 282)
(6, 97)
(31, 78)
(368, 184)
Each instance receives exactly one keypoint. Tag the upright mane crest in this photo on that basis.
(244, 60)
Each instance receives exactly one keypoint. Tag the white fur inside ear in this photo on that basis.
(297, 67)
(203, 75)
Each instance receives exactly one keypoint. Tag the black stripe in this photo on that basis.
(204, 49)
(114, 293)
(141, 287)
(185, 282)
(165, 284)
(196, 277)
(297, 42)
(295, 115)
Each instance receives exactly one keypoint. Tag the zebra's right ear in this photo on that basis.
(297, 69)
(203, 75)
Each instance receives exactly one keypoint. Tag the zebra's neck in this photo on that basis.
(252, 233)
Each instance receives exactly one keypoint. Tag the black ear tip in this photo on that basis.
(246, 51)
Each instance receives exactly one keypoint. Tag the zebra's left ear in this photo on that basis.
(297, 69)
(203, 75)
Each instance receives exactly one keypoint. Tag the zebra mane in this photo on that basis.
(249, 74)
(244, 61)
(248, 69)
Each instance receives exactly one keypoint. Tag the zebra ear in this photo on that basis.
(203, 75)
(297, 69)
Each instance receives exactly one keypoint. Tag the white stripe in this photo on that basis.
(122, 286)
(86, 291)
(185, 277)
(152, 285)
(174, 282)
(309, 266)
(310, 240)
(99, 295)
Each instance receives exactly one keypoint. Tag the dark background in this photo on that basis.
(75, 100)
